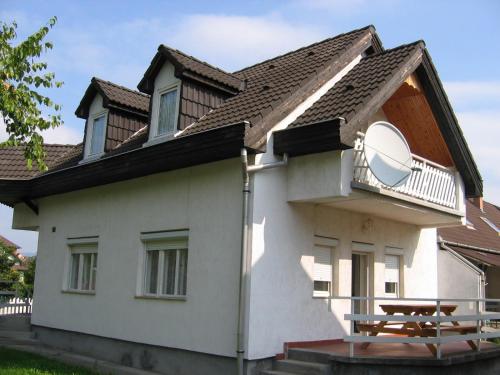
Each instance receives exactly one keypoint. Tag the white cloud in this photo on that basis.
(62, 135)
(474, 94)
(233, 42)
(482, 132)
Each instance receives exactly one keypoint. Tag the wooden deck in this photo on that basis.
(392, 350)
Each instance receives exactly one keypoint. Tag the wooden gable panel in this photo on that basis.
(410, 112)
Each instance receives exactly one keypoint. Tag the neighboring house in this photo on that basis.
(17, 257)
(470, 255)
(150, 253)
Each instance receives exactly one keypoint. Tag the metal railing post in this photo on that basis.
(438, 329)
(478, 328)
(351, 344)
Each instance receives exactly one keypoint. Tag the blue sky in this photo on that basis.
(116, 40)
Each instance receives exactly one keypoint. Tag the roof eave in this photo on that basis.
(209, 146)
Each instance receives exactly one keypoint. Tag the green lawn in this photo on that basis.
(13, 362)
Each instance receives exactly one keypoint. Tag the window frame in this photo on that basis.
(325, 244)
(163, 242)
(154, 137)
(90, 132)
(81, 247)
(395, 252)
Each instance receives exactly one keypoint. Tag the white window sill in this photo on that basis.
(320, 296)
(75, 291)
(159, 139)
(169, 298)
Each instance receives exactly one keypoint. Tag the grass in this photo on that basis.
(14, 362)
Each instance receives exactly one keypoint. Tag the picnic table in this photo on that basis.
(415, 329)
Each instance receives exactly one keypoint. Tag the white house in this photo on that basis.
(206, 220)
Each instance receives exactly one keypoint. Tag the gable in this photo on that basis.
(409, 110)
(353, 101)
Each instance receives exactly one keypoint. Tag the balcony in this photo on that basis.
(433, 196)
(429, 182)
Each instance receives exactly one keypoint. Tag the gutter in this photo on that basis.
(458, 244)
(247, 170)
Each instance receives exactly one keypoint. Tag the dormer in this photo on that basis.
(183, 89)
(112, 114)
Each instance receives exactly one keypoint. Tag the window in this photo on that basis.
(165, 265)
(322, 273)
(97, 135)
(83, 267)
(392, 275)
(167, 113)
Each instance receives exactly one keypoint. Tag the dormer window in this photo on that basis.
(167, 114)
(96, 135)
(97, 139)
(165, 108)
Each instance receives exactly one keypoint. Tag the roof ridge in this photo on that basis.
(199, 61)
(369, 27)
(389, 50)
(120, 86)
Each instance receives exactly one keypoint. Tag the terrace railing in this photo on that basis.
(429, 181)
(475, 313)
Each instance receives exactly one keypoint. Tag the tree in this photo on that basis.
(23, 108)
(7, 260)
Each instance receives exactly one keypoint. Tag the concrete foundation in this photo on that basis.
(142, 356)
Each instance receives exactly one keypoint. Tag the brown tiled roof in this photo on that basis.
(354, 90)
(8, 243)
(68, 159)
(482, 235)
(202, 68)
(119, 96)
(13, 163)
(270, 83)
(123, 96)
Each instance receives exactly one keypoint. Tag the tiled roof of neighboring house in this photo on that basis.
(353, 91)
(271, 82)
(479, 233)
(13, 164)
(123, 95)
(8, 243)
(202, 68)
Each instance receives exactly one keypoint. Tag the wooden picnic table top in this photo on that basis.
(419, 309)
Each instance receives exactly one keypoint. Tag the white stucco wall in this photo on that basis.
(282, 307)
(458, 280)
(205, 199)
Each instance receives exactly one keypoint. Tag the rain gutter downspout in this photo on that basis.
(244, 271)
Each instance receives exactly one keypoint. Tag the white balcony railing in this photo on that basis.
(429, 181)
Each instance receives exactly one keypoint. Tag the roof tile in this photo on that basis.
(357, 87)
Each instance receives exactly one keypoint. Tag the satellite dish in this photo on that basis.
(387, 154)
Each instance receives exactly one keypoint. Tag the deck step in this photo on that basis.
(308, 355)
(301, 367)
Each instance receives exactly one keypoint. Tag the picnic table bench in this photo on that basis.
(416, 329)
